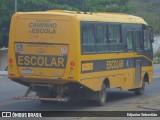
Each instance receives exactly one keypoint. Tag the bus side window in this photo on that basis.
(101, 38)
(138, 40)
(115, 38)
(88, 38)
(147, 42)
(129, 37)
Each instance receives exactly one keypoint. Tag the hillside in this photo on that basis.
(149, 10)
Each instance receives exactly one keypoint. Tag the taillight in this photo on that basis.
(73, 63)
(10, 61)
(71, 68)
(10, 64)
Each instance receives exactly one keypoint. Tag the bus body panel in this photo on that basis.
(46, 48)
(42, 47)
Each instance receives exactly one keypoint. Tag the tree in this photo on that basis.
(7, 9)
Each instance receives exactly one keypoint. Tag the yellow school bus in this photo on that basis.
(61, 54)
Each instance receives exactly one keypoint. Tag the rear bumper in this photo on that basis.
(28, 82)
(21, 82)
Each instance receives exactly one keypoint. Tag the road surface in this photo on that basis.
(117, 100)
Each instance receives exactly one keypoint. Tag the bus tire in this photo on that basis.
(102, 96)
(140, 91)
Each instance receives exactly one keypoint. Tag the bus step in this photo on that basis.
(43, 99)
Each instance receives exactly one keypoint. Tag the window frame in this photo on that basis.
(105, 37)
(120, 33)
(120, 38)
(133, 45)
(122, 28)
(140, 37)
(81, 34)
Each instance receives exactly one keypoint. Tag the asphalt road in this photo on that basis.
(117, 100)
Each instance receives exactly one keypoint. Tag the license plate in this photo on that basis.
(27, 71)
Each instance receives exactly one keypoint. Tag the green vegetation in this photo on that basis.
(156, 58)
(148, 9)
(156, 52)
(7, 9)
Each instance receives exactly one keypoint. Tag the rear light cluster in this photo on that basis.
(72, 63)
(10, 63)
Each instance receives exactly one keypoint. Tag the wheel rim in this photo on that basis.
(103, 96)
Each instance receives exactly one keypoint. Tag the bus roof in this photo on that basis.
(105, 17)
(89, 16)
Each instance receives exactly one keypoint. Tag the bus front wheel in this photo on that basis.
(140, 91)
(102, 96)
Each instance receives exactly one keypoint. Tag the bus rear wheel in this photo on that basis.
(102, 96)
(140, 91)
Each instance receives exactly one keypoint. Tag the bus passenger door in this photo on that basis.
(133, 45)
(138, 60)
(128, 34)
(137, 73)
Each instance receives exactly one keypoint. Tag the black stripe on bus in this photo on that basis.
(115, 64)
